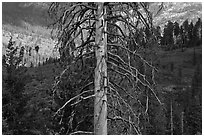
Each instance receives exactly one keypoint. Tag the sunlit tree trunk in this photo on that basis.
(100, 103)
(182, 124)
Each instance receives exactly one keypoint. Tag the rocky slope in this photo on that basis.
(27, 24)
(176, 11)
(30, 40)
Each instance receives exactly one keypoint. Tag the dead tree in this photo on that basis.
(102, 32)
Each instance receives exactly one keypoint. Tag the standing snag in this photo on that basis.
(100, 83)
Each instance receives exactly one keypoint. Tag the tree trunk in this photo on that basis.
(100, 103)
(182, 124)
(172, 125)
(194, 57)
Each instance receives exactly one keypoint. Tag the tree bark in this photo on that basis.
(172, 125)
(182, 124)
(100, 103)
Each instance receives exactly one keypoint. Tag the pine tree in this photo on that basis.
(168, 35)
(185, 32)
(176, 31)
(157, 32)
(182, 38)
(197, 33)
(190, 34)
(13, 99)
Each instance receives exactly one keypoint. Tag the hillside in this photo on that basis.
(27, 24)
(35, 13)
(177, 11)
(17, 13)
(30, 19)
(29, 40)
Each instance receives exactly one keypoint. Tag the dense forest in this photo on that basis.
(116, 73)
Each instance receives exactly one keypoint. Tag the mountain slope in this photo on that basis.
(177, 11)
(35, 13)
(16, 13)
(28, 21)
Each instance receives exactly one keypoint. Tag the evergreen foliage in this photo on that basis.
(13, 97)
(183, 35)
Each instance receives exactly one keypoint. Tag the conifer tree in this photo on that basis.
(176, 30)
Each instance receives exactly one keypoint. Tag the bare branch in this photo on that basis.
(147, 104)
(81, 99)
(118, 27)
(144, 84)
(151, 91)
(114, 89)
(118, 57)
(77, 96)
(125, 120)
(134, 53)
(125, 70)
(127, 105)
(82, 132)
